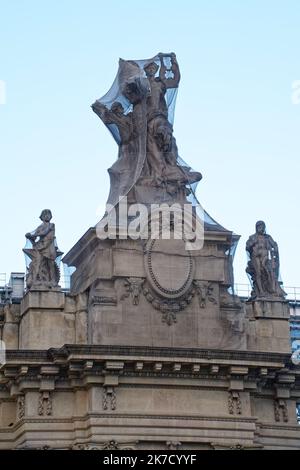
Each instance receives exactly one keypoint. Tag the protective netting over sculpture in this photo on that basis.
(149, 182)
(139, 110)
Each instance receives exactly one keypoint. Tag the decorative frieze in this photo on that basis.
(111, 445)
(108, 445)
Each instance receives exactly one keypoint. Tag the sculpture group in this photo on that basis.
(263, 266)
(146, 346)
(138, 110)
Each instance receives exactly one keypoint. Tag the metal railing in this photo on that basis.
(293, 293)
(242, 290)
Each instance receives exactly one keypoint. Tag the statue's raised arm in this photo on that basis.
(170, 82)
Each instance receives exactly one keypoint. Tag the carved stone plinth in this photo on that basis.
(268, 309)
(44, 323)
(150, 350)
(268, 326)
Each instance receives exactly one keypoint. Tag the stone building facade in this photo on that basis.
(150, 348)
(114, 363)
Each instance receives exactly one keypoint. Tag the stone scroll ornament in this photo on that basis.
(43, 269)
(263, 265)
(138, 110)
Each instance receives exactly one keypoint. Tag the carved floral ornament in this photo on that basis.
(169, 307)
(133, 286)
(109, 398)
(281, 410)
(234, 403)
(45, 404)
(108, 445)
(21, 406)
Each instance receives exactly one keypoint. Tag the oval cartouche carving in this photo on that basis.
(169, 267)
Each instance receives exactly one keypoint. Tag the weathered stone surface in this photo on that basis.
(216, 407)
(43, 321)
(150, 349)
(263, 266)
(43, 271)
(268, 309)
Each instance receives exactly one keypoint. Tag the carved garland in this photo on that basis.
(109, 445)
(169, 308)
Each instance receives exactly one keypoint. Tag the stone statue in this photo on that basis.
(43, 271)
(263, 266)
(162, 153)
(138, 111)
(116, 116)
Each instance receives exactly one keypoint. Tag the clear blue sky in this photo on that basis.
(235, 120)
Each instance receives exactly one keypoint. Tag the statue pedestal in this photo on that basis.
(44, 323)
(157, 293)
(269, 328)
(268, 308)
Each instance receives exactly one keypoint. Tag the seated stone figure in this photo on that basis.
(43, 270)
(263, 266)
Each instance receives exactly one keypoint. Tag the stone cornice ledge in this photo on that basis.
(82, 351)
